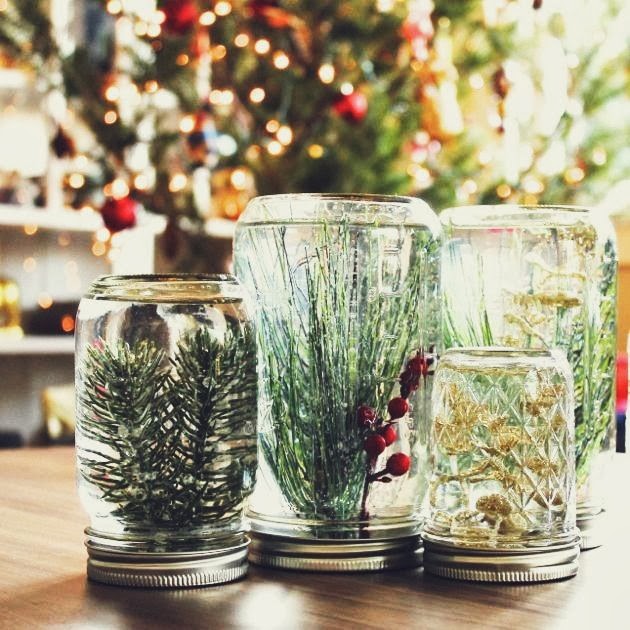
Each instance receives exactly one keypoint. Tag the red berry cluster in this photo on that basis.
(420, 365)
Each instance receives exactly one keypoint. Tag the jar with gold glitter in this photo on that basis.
(502, 490)
(10, 313)
(543, 277)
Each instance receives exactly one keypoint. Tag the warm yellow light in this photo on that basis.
(178, 182)
(151, 86)
(154, 30)
(30, 229)
(384, 5)
(119, 188)
(76, 180)
(275, 148)
(238, 178)
(469, 186)
(187, 124)
(182, 60)
(110, 117)
(222, 8)
(285, 135)
(574, 175)
(503, 191)
(114, 7)
(102, 235)
(67, 323)
(326, 73)
(141, 182)
(207, 18)
(218, 52)
(215, 97)
(257, 95)
(64, 239)
(29, 265)
(241, 40)
(272, 125)
(476, 81)
(315, 151)
(44, 300)
(262, 46)
(280, 60)
(253, 152)
(141, 28)
(112, 93)
(346, 88)
(484, 157)
(599, 156)
(159, 17)
(98, 248)
(532, 185)
(4, 5)
(227, 97)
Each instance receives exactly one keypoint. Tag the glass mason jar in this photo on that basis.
(543, 277)
(502, 494)
(166, 390)
(348, 325)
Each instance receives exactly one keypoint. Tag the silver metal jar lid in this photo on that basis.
(166, 570)
(280, 552)
(592, 529)
(533, 565)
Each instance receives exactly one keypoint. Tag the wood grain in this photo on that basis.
(43, 584)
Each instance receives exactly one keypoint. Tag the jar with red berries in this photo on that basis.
(348, 313)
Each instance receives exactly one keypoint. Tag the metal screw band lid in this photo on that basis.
(551, 563)
(592, 529)
(166, 570)
(335, 555)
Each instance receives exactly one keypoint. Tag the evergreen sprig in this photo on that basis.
(170, 442)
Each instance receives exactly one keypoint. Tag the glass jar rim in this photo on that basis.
(169, 287)
(499, 351)
(362, 208)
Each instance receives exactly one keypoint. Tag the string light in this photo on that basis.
(315, 151)
(119, 188)
(63, 239)
(238, 178)
(503, 191)
(262, 46)
(476, 81)
(141, 28)
(151, 86)
(67, 323)
(484, 157)
(207, 18)
(384, 5)
(599, 156)
(257, 95)
(326, 73)
(44, 300)
(280, 60)
(272, 126)
(30, 229)
(102, 235)
(154, 30)
(182, 59)
(178, 182)
(252, 153)
(285, 135)
(532, 185)
(98, 248)
(114, 7)
(159, 17)
(346, 88)
(4, 5)
(112, 93)
(187, 124)
(141, 182)
(76, 180)
(219, 52)
(29, 264)
(222, 8)
(469, 186)
(574, 175)
(110, 117)
(275, 148)
(241, 40)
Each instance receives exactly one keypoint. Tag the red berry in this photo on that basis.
(119, 214)
(366, 416)
(351, 107)
(388, 433)
(397, 407)
(374, 445)
(398, 464)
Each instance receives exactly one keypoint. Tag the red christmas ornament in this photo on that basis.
(398, 464)
(397, 407)
(366, 416)
(388, 433)
(180, 16)
(374, 445)
(351, 107)
(119, 214)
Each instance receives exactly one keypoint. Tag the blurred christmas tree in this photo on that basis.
(459, 102)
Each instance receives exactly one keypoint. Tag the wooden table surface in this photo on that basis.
(43, 582)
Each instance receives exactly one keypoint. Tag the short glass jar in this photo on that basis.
(502, 494)
(543, 277)
(348, 319)
(166, 389)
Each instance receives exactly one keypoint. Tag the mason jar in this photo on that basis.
(543, 277)
(501, 505)
(347, 314)
(166, 428)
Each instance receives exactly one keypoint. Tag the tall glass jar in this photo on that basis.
(166, 389)
(502, 497)
(348, 320)
(542, 277)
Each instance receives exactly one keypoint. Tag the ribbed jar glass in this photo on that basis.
(502, 443)
(348, 319)
(542, 277)
(166, 388)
